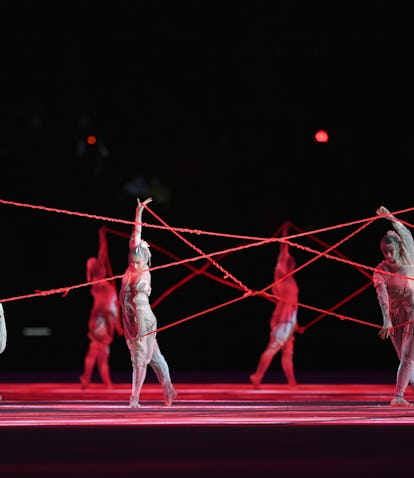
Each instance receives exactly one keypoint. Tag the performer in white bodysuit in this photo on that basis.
(396, 298)
(3, 332)
(139, 321)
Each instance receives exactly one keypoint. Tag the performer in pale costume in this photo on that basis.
(283, 323)
(396, 298)
(3, 332)
(104, 319)
(139, 321)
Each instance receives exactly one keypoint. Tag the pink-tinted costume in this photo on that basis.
(104, 318)
(139, 321)
(3, 332)
(396, 298)
(283, 323)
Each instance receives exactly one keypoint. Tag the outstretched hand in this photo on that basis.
(300, 329)
(386, 332)
(143, 203)
(285, 229)
(382, 210)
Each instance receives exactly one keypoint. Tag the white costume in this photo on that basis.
(139, 320)
(396, 298)
(3, 330)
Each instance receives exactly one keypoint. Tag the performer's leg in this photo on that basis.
(406, 367)
(89, 363)
(397, 339)
(162, 371)
(264, 363)
(103, 365)
(139, 373)
(276, 340)
(287, 361)
(139, 359)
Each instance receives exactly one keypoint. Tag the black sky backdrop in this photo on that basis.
(210, 109)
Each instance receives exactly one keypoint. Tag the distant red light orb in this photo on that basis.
(91, 139)
(321, 136)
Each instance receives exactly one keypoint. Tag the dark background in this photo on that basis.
(211, 110)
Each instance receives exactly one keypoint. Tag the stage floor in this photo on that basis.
(65, 404)
(220, 429)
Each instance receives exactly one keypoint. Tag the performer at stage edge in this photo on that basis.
(104, 318)
(283, 323)
(138, 318)
(3, 332)
(396, 298)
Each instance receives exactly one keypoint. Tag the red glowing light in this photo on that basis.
(91, 139)
(321, 136)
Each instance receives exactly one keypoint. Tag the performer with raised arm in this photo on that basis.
(139, 321)
(283, 323)
(104, 318)
(395, 293)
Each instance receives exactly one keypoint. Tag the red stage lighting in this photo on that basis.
(321, 136)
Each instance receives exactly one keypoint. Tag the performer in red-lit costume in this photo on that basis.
(396, 298)
(283, 323)
(104, 319)
(138, 318)
(3, 332)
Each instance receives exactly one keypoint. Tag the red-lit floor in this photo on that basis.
(212, 429)
(65, 404)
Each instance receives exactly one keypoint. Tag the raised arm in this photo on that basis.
(284, 254)
(103, 246)
(406, 238)
(96, 267)
(136, 234)
(396, 223)
(379, 279)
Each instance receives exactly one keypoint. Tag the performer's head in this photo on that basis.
(391, 246)
(95, 269)
(141, 254)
